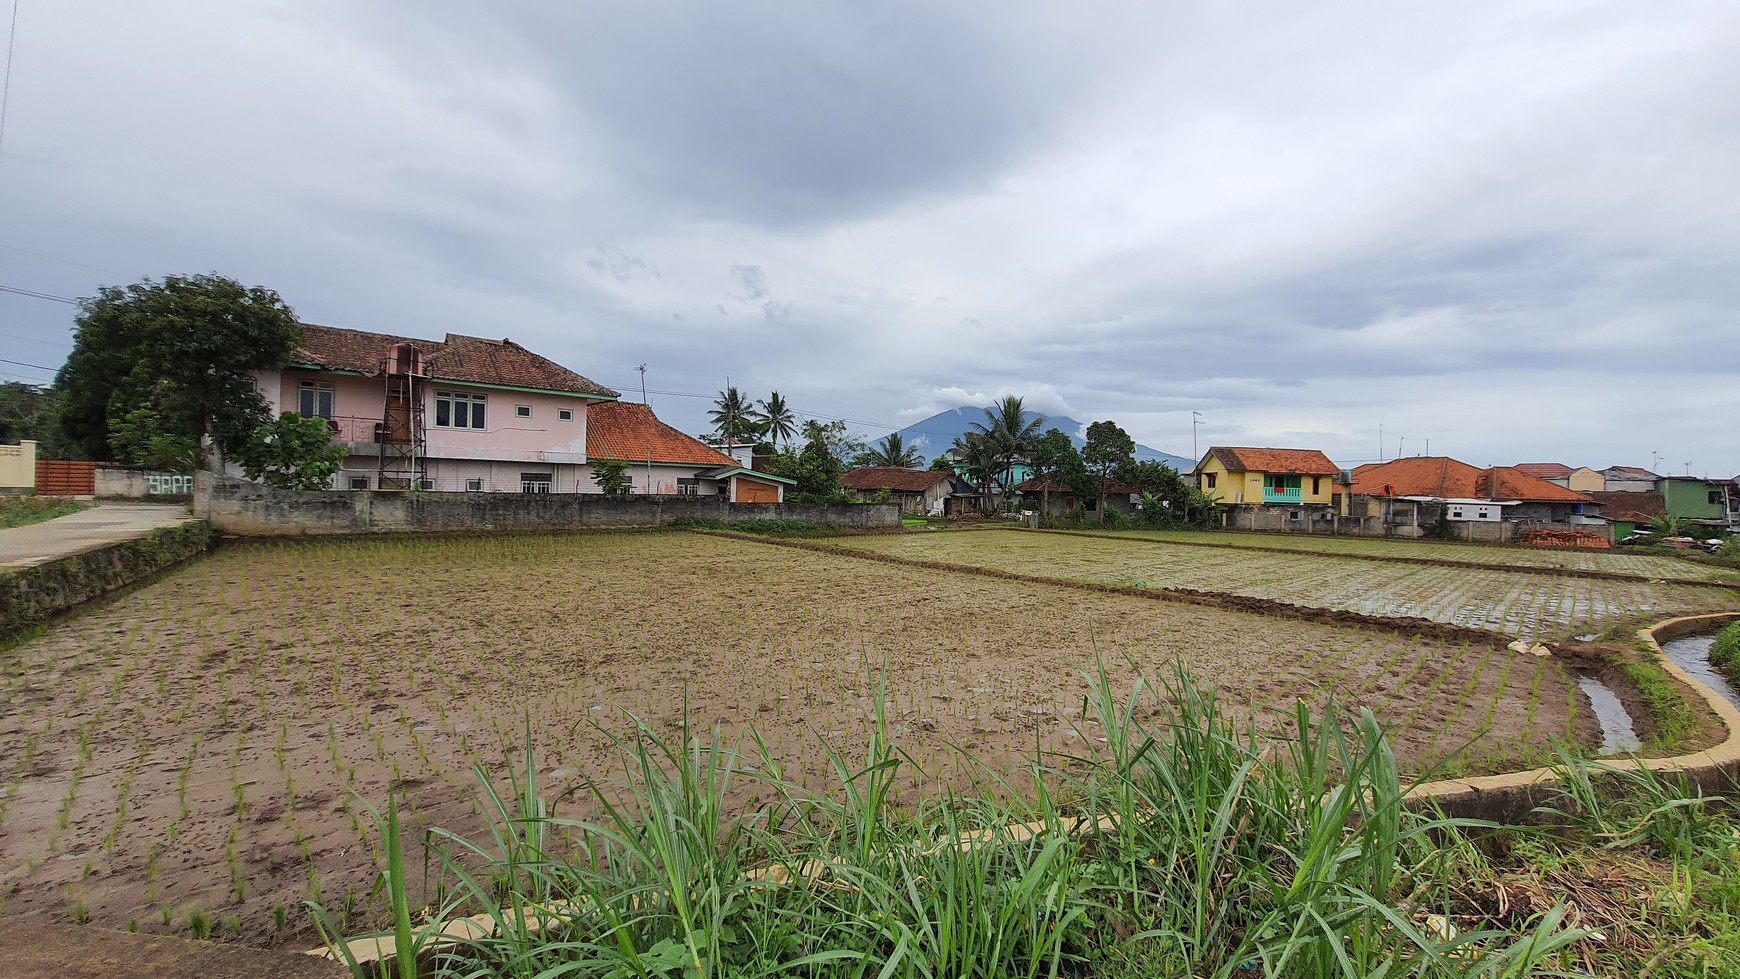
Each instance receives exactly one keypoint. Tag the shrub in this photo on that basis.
(1725, 651)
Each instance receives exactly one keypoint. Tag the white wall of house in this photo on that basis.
(667, 480)
(471, 475)
(1474, 511)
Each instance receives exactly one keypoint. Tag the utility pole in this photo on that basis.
(1401, 447)
(1380, 441)
(647, 431)
(1654, 460)
(1428, 448)
(1195, 423)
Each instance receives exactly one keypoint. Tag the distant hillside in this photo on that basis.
(933, 436)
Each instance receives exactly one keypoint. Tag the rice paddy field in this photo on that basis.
(199, 754)
(1606, 562)
(1523, 603)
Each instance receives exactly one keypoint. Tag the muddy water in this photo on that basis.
(1617, 734)
(1692, 653)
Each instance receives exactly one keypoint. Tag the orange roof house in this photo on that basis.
(1239, 475)
(1440, 477)
(621, 431)
(475, 360)
(663, 460)
(459, 414)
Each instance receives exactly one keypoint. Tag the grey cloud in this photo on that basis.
(751, 281)
(619, 264)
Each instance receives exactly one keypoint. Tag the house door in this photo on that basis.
(755, 491)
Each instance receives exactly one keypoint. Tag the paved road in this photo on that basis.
(39, 543)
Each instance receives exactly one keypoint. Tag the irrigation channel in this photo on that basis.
(1692, 653)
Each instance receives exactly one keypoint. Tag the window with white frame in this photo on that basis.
(359, 482)
(457, 409)
(474, 486)
(688, 487)
(564, 414)
(536, 483)
(315, 399)
(522, 411)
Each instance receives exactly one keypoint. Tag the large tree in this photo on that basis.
(181, 353)
(776, 419)
(1055, 460)
(1008, 434)
(1108, 449)
(890, 453)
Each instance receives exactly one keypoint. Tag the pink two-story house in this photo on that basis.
(463, 414)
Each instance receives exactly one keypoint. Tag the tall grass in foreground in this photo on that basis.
(1185, 848)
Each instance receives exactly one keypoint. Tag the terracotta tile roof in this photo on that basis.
(1636, 507)
(628, 432)
(873, 478)
(457, 358)
(1447, 478)
(1056, 485)
(1307, 462)
(1544, 470)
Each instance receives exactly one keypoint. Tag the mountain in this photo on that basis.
(933, 436)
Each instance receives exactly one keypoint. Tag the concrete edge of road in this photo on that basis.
(33, 595)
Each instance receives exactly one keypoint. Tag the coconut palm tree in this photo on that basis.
(977, 463)
(891, 453)
(1007, 435)
(731, 416)
(776, 418)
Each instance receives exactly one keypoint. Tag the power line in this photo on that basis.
(38, 295)
(46, 343)
(20, 363)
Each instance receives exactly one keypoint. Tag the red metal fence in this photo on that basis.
(66, 477)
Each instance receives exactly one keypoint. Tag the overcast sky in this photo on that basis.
(1511, 228)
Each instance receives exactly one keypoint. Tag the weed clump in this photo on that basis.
(1186, 847)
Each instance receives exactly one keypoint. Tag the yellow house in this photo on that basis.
(1238, 475)
(1579, 480)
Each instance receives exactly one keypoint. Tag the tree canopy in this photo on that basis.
(777, 422)
(892, 453)
(292, 452)
(1007, 436)
(32, 411)
(1055, 460)
(733, 417)
(173, 363)
(1108, 449)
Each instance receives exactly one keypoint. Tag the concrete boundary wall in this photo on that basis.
(31, 596)
(249, 509)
